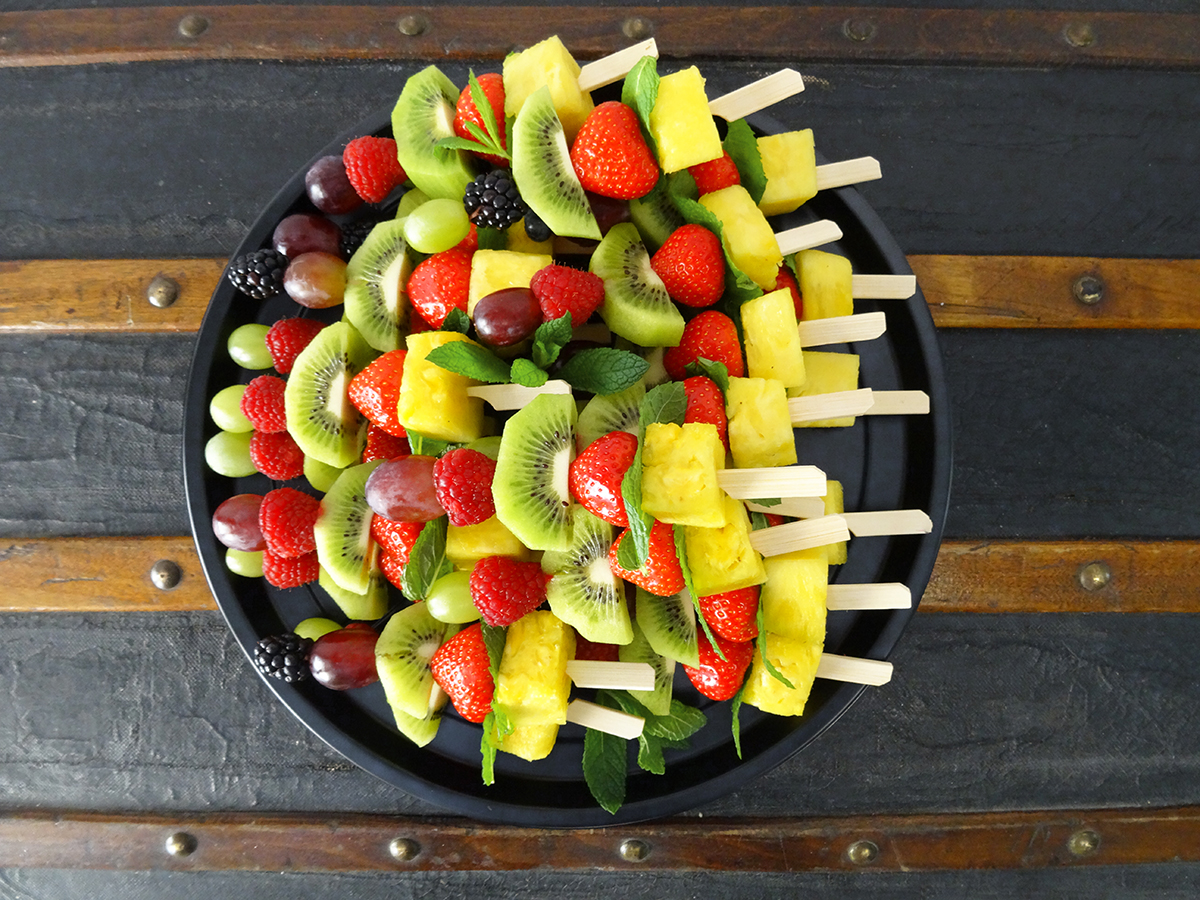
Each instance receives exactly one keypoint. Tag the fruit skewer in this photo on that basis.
(773, 481)
(807, 534)
(617, 676)
(515, 396)
(842, 329)
(612, 68)
(861, 402)
(860, 524)
(855, 670)
(601, 718)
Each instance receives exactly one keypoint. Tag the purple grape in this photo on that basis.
(506, 317)
(402, 490)
(304, 233)
(235, 523)
(329, 187)
(345, 659)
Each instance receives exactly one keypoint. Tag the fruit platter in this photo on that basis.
(567, 446)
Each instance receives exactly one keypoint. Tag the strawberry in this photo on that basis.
(262, 403)
(440, 284)
(785, 279)
(585, 649)
(461, 668)
(706, 403)
(505, 589)
(375, 390)
(595, 476)
(711, 335)
(661, 573)
(466, 111)
(287, 338)
(381, 445)
(372, 167)
(289, 573)
(691, 264)
(715, 174)
(610, 155)
(716, 678)
(560, 290)
(276, 455)
(732, 615)
(462, 480)
(392, 567)
(287, 517)
(395, 538)
(471, 242)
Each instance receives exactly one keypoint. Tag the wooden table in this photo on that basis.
(1040, 734)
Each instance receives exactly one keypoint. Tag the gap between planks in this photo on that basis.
(112, 574)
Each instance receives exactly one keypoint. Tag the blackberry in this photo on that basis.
(353, 235)
(283, 656)
(259, 274)
(492, 200)
(537, 229)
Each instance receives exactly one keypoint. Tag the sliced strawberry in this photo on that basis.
(375, 390)
(733, 615)
(691, 264)
(785, 279)
(715, 174)
(610, 155)
(466, 111)
(440, 284)
(706, 403)
(595, 476)
(716, 678)
(711, 335)
(661, 573)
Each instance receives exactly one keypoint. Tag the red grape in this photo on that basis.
(235, 523)
(507, 317)
(608, 212)
(316, 280)
(305, 232)
(329, 187)
(345, 659)
(402, 490)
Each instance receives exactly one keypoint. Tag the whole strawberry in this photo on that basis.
(395, 538)
(262, 403)
(706, 403)
(785, 279)
(716, 678)
(462, 479)
(504, 589)
(287, 337)
(381, 445)
(661, 573)
(392, 567)
(560, 290)
(372, 167)
(732, 615)
(691, 264)
(440, 284)
(287, 517)
(595, 476)
(610, 155)
(715, 174)
(461, 668)
(711, 335)
(375, 390)
(466, 112)
(276, 455)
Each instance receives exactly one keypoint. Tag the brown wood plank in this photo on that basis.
(1009, 37)
(330, 842)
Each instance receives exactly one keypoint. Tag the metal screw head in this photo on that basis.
(858, 30)
(633, 850)
(181, 844)
(636, 28)
(862, 853)
(1079, 34)
(404, 849)
(1088, 289)
(193, 25)
(166, 574)
(1083, 843)
(412, 25)
(162, 291)
(1094, 576)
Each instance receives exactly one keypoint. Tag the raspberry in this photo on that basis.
(289, 573)
(493, 201)
(381, 445)
(372, 167)
(262, 404)
(463, 481)
(715, 174)
(560, 290)
(287, 517)
(395, 538)
(505, 589)
(276, 455)
(283, 656)
(258, 274)
(287, 338)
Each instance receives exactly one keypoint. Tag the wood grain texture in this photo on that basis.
(1011, 37)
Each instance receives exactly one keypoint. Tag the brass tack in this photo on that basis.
(1079, 34)
(858, 30)
(166, 575)
(404, 849)
(636, 28)
(193, 25)
(1094, 576)
(1088, 289)
(181, 844)
(1083, 843)
(633, 850)
(413, 25)
(862, 853)
(162, 291)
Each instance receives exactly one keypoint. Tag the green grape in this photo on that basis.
(436, 226)
(228, 453)
(315, 627)
(320, 475)
(226, 409)
(449, 599)
(245, 563)
(410, 201)
(248, 347)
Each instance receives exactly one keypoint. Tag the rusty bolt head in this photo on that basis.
(1083, 843)
(1088, 289)
(162, 291)
(858, 30)
(1094, 576)
(192, 25)
(862, 853)
(412, 25)
(181, 844)
(404, 849)
(1079, 34)
(166, 574)
(633, 850)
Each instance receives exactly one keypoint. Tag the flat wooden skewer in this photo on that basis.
(616, 676)
(861, 524)
(803, 535)
(778, 481)
(842, 329)
(861, 402)
(805, 237)
(601, 718)
(515, 396)
(852, 669)
(848, 171)
(757, 95)
(883, 287)
(888, 595)
(615, 66)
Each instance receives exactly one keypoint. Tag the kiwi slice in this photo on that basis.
(636, 303)
(530, 487)
(583, 591)
(541, 166)
(402, 655)
(655, 216)
(376, 275)
(669, 624)
(343, 531)
(359, 607)
(609, 412)
(424, 115)
(320, 415)
(658, 701)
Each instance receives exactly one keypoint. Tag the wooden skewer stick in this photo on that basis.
(852, 669)
(805, 237)
(616, 676)
(842, 329)
(779, 481)
(883, 287)
(515, 396)
(615, 66)
(899, 403)
(890, 595)
(848, 171)
(601, 718)
(793, 507)
(757, 95)
(889, 521)
(834, 405)
(803, 535)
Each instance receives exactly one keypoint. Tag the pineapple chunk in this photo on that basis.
(835, 505)
(494, 270)
(531, 742)
(747, 234)
(825, 284)
(790, 163)
(679, 474)
(760, 428)
(796, 660)
(827, 373)
(681, 124)
(772, 339)
(532, 683)
(547, 63)
(721, 559)
(467, 544)
(793, 599)
(433, 401)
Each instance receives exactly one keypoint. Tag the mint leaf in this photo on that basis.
(604, 370)
(660, 732)
(492, 238)
(479, 98)
(762, 650)
(426, 446)
(456, 320)
(681, 552)
(526, 373)
(742, 147)
(665, 403)
(758, 521)
(766, 501)
(717, 371)
(549, 339)
(640, 93)
(635, 545)
(790, 262)
(457, 143)
(472, 360)
(735, 708)
(604, 763)
(495, 722)
(426, 561)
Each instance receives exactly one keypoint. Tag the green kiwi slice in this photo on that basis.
(320, 416)
(669, 624)
(343, 531)
(376, 303)
(358, 607)
(609, 412)
(658, 701)
(583, 591)
(530, 487)
(636, 303)
(541, 166)
(655, 216)
(402, 655)
(423, 115)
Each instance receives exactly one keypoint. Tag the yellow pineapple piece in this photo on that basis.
(494, 270)
(519, 241)
(532, 684)
(467, 544)
(547, 63)
(531, 742)
(679, 474)
(793, 598)
(747, 234)
(760, 427)
(825, 284)
(790, 163)
(721, 559)
(796, 660)
(835, 505)
(681, 124)
(827, 373)
(772, 339)
(433, 401)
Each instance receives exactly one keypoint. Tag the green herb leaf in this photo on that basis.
(426, 561)
(487, 139)
(635, 544)
(766, 501)
(456, 320)
(742, 147)
(717, 371)
(735, 708)
(526, 373)
(665, 403)
(660, 732)
(492, 238)
(496, 722)
(605, 764)
(790, 262)
(604, 370)
(472, 360)
(494, 637)
(758, 521)
(762, 649)
(426, 446)
(681, 552)
(457, 143)
(549, 339)
(640, 92)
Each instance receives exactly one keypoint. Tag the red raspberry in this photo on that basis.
(381, 445)
(395, 538)
(785, 279)
(711, 335)
(610, 155)
(560, 290)
(595, 476)
(440, 284)
(716, 678)
(392, 567)
(287, 338)
(461, 668)
(715, 174)
(372, 167)
(732, 615)
(691, 264)
(505, 589)
(287, 517)
(262, 403)
(276, 455)
(661, 574)
(375, 390)
(706, 403)
(585, 649)
(463, 481)
(492, 84)
(289, 573)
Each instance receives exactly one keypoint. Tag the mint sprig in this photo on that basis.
(604, 370)
(487, 139)
(456, 320)
(640, 93)
(681, 553)
(605, 762)
(742, 147)
(549, 339)
(735, 708)
(496, 723)
(470, 360)
(427, 561)
(762, 650)
(525, 373)
(717, 371)
(426, 446)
